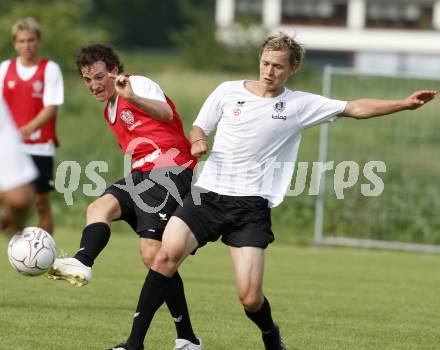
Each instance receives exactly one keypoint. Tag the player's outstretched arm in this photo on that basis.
(199, 142)
(157, 109)
(369, 108)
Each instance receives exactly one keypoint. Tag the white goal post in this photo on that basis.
(339, 238)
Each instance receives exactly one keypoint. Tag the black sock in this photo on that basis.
(151, 298)
(94, 239)
(176, 303)
(262, 318)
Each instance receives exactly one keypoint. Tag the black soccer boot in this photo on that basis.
(274, 340)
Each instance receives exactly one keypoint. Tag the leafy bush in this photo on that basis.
(199, 48)
(64, 27)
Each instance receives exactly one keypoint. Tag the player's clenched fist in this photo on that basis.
(123, 86)
(199, 148)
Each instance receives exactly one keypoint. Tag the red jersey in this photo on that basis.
(25, 100)
(153, 143)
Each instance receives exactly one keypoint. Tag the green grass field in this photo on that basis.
(323, 299)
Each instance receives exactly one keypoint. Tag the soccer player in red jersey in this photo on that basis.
(147, 126)
(32, 88)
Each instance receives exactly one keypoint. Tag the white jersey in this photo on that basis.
(147, 88)
(257, 139)
(16, 168)
(142, 87)
(53, 96)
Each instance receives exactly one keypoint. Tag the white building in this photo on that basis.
(386, 35)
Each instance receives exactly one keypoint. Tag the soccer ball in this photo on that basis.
(32, 251)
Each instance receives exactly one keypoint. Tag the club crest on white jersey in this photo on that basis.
(279, 107)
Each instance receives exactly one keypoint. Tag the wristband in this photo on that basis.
(192, 143)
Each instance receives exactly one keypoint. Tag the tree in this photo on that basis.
(140, 23)
(63, 23)
(199, 48)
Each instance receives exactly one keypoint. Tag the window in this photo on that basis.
(399, 14)
(248, 11)
(314, 12)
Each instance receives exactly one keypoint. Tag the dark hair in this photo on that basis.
(88, 55)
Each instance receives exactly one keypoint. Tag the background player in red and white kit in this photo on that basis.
(146, 124)
(17, 171)
(248, 171)
(33, 90)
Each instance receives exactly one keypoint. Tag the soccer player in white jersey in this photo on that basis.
(259, 125)
(17, 171)
(32, 88)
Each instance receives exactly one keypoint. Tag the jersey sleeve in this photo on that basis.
(316, 109)
(53, 85)
(146, 88)
(17, 168)
(211, 111)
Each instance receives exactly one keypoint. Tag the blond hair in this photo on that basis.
(283, 42)
(27, 23)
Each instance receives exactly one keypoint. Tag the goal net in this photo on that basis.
(401, 209)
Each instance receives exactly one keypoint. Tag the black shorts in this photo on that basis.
(240, 221)
(148, 212)
(44, 182)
